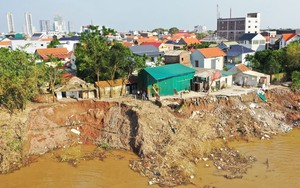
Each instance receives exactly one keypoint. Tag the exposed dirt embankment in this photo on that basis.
(169, 138)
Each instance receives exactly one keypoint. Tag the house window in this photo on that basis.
(182, 59)
(196, 63)
(249, 26)
(255, 26)
(42, 44)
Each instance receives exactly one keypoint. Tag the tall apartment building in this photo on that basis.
(59, 24)
(45, 26)
(233, 28)
(70, 27)
(28, 24)
(10, 22)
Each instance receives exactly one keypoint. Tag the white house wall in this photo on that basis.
(226, 81)
(207, 62)
(28, 45)
(72, 94)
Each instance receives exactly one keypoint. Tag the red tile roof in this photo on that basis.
(211, 52)
(288, 36)
(242, 67)
(60, 53)
(156, 44)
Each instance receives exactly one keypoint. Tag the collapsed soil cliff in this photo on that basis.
(169, 138)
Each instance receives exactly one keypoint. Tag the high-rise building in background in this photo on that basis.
(233, 28)
(70, 27)
(28, 24)
(59, 24)
(10, 22)
(45, 26)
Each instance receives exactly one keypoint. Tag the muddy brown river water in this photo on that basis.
(283, 169)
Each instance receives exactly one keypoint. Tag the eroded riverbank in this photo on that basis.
(282, 153)
(169, 139)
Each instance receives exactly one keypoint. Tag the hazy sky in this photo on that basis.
(124, 15)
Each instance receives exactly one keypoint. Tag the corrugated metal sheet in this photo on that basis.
(167, 78)
(168, 71)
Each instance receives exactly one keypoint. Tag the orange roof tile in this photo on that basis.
(190, 41)
(60, 53)
(5, 43)
(127, 44)
(288, 36)
(242, 67)
(47, 39)
(211, 52)
(150, 39)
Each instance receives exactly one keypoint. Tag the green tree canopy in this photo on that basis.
(92, 54)
(292, 52)
(267, 61)
(173, 30)
(296, 80)
(53, 43)
(159, 30)
(19, 79)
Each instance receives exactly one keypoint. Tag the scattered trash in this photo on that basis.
(75, 131)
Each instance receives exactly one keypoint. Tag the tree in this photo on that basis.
(292, 53)
(118, 57)
(159, 30)
(18, 80)
(201, 35)
(173, 30)
(53, 43)
(134, 63)
(295, 80)
(197, 46)
(52, 73)
(92, 54)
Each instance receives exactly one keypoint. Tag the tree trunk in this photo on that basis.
(98, 80)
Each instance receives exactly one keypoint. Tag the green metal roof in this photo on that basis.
(168, 71)
(227, 73)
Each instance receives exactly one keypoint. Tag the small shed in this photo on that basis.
(76, 88)
(116, 86)
(169, 79)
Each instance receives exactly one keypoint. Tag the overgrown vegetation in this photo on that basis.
(98, 59)
(296, 80)
(276, 61)
(19, 80)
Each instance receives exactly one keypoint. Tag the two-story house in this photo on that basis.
(210, 58)
(287, 38)
(254, 41)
